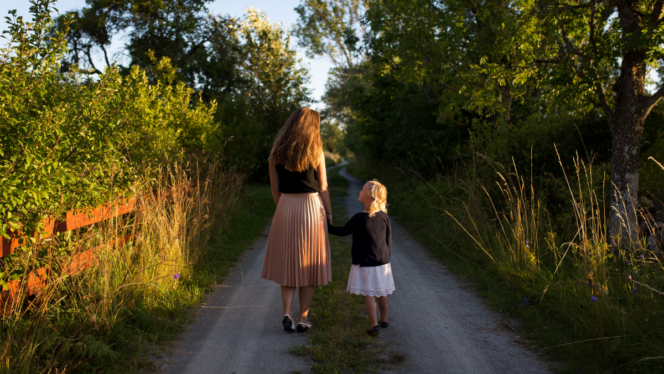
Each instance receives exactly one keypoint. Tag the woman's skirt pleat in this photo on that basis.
(298, 249)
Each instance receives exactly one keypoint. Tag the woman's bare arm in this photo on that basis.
(274, 182)
(324, 193)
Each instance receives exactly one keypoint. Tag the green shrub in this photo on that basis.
(69, 142)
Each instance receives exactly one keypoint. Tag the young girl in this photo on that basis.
(371, 274)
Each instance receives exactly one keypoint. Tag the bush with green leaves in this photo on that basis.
(67, 141)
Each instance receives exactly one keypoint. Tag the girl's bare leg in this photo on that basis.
(287, 295)
(306, 294)
(382, 304)
(370, 302)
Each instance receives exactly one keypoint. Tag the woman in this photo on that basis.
(298, 249)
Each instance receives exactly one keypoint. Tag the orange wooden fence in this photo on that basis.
(73, 219)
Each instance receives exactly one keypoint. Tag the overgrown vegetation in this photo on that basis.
(439, 95)
(110, 315)
(594, 308)
(71, 141)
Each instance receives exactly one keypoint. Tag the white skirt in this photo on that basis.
(374, 281)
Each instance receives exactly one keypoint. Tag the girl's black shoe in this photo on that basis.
(373, 331)
(384, 325)
(288, 324)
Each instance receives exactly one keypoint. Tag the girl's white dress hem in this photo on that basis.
(374, 281)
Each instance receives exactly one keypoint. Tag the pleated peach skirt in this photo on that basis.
(298, 249)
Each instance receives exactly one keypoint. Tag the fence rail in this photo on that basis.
(74, 219)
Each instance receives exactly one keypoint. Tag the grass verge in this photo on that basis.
(338, 343)
(246, 221)
(106, 318)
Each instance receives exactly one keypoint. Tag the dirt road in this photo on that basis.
(238, 330)
(438, 323)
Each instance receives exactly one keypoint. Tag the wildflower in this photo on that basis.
(593, 298)
(176, 276)
(634, 290)
(527, 242)
(641, 256)
(629, 277)
(626, 262)
(525, 301)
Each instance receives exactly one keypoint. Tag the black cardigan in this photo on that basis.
(372, 238)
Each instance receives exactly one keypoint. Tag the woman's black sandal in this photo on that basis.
(302, 327)
(384, 325)
(287, 323)
(373, 331)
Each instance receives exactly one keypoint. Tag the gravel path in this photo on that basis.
(438, 323)
(238, 330)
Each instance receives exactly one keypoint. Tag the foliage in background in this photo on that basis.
(272, 87)
(246, 66)
(329, 28)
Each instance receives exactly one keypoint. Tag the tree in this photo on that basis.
(181, 30)
(328, 28)
(601, 54)
(493, 57)
(270, 86)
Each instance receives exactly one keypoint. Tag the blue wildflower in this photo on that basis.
(593, 298)
(176, 276)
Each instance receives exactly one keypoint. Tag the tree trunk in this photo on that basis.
(626, 129)
(632, 107)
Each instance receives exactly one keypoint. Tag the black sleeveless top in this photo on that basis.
(297, 182)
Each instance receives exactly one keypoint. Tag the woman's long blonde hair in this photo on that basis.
(298, 146)
(379, 194)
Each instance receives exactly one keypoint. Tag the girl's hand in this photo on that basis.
(329, 218)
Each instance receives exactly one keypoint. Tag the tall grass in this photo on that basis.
(132, 294)
(598, 308)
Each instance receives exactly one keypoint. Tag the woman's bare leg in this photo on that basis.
(370, 302)
(287, 295)
(382, 305)
(306, 295)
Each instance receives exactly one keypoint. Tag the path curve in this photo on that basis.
(440, 325)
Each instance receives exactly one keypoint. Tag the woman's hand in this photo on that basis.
(329, 218)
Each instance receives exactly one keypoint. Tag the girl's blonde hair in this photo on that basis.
(379, 193)
(298, 145)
